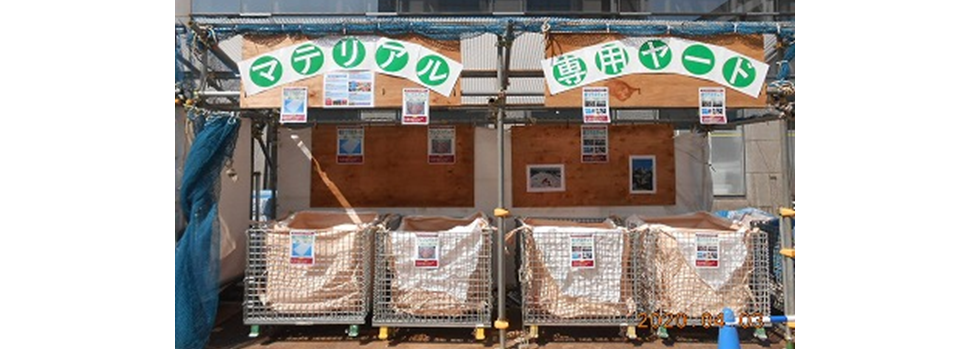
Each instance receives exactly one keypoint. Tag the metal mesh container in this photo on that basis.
(434, 272)
(693, 266)
(576, 273)
(312, 268)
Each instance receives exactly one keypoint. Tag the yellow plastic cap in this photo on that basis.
(501, 212)
(786, 212)
(501, 324)
(788, 252)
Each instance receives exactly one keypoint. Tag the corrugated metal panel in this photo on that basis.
(479, 85)
(527, 85)
(479, 53)
(527, 50)
(233, 47)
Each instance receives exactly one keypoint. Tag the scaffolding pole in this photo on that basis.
(504, 47)
(787, 239)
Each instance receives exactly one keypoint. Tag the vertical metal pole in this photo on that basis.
(254, 176)
(272, 137)
(499, 241)
(788, 271)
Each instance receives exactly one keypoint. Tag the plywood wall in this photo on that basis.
(387, 88)
(590, 184)
(395, 172)
(655, 90)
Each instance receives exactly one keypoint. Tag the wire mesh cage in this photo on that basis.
(576, 272)
(694, 266)
(434, 272)
(312, 268)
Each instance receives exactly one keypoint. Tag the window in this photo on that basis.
(444, 6)
(292, 6)
(727, 161)
(589, 6)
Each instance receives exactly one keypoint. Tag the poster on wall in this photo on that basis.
(712, 107)
(348, 89)
(294, 106)
(582, 254)
(643, 179)
(350, 145)
(595, 144)
(441, 144)
(545, 178)
(426, 251)
(301, 246)
(596, 105)
(414, 107)
(707, 250)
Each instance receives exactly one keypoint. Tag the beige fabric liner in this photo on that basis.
(331, 283)
(679, 287)
(422, 302)
(546, 293)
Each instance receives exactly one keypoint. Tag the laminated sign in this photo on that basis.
(414, 107)
(348, 89)
(350, 145)
(581, 251)
(596, 105)
(596, 144)
(426, 250)
(654, 55)
(707, 250)
(294, 105)
(713, 110)
(376, 54)
(301, 246)
(441, 144)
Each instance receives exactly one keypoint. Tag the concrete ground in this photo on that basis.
(230, 332)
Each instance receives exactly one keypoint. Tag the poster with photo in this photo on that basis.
(707, 250)
(546, 178)
(294, 106)
(595, 144)
(301, 246)
(643, 176)
(596, 105)
(441, 144)
(350, 145)
(426, 250)
(414, 107)
(348, 89)
(712, 106)
(582, 253)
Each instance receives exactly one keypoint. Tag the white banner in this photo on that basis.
(307, 59)
(653, 55)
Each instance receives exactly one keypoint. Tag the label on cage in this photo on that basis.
(301, 246)
(582, 254)
(426, 250)
(707, 250)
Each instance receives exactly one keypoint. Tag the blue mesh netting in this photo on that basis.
(454, 30)
(197, 251)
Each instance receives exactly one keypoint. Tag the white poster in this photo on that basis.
(294, 107)
(301, 246)
(582, 253)
(595, 144)
(441, 144)
(712, 106)
(348, 89)
(335, 53)
(708, 249)
(596, 105)
(545, 178)
(654, 55)
(414, 107)
(426, 250)
(350, 145)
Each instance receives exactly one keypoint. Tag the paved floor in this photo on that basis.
(231, 333)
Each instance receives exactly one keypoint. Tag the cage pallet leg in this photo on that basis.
(253, 331)
(662, 333)
(353, 331)
(383, 333)
(631, 332)
(533, 331)
(479, 333)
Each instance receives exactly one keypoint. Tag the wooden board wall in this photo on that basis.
(590, 184)
(395, 172)
(655, 90)
(387, 88)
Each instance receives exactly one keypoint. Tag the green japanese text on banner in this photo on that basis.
(392, 57)
(652, 55)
